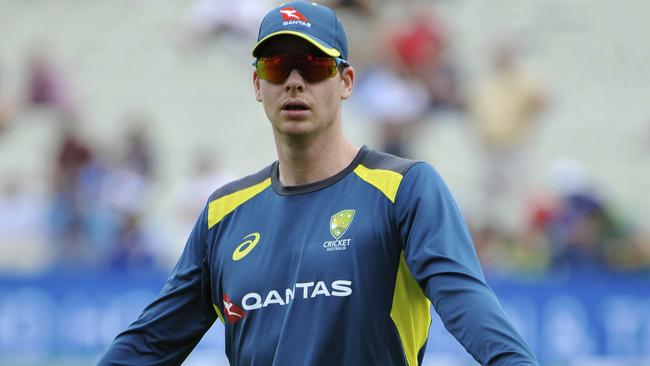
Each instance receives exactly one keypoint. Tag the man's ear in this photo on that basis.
(256, 86)
(348, 77)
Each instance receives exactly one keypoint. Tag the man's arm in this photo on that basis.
(171, 326)
(441, 257)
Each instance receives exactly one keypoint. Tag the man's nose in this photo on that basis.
(294, 82)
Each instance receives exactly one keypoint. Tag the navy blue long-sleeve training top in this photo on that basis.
(338, 272)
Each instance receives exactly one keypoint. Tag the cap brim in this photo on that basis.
(333, 52)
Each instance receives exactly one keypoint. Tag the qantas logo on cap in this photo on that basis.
(233, 312)
(293, 16)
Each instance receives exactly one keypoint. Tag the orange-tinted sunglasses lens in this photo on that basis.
(276, 69)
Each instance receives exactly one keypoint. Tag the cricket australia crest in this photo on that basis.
(340, 222)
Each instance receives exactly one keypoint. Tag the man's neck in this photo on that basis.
(304, 162)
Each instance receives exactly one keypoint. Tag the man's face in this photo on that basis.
(295, 106)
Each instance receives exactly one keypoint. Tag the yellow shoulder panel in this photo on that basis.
(387, 181)
(221, 207)
(218, 313)
(410, 313)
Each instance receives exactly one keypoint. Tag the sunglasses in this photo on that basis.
(276, 69)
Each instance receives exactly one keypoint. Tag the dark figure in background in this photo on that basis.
(68, 205)
(47, 85)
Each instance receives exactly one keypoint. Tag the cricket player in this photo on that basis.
(332, 255)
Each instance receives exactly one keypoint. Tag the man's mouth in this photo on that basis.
(295, 106)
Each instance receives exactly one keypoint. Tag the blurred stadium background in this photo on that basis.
(119, 118)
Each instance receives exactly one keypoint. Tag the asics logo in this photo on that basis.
(250, 241)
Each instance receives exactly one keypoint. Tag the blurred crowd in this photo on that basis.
(95, 210)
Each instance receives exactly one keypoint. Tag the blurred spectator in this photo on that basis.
(207, 19)
(410, 78)
(22, 243)
(67, 218)
(46, 84)
(584, 230)
(124, 195)
(359, 7)
(569, 228)
(420, 47)
(99, 198)
(359, 18)
(6, 108)
(527, 251)
(131, 251)
(531, 251)
(631, 251)
(5, 113)
(206, 176)
(504, 110)
(581, 226)
(139, 151)
(394, 103)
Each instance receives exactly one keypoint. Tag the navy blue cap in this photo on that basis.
(315, 23)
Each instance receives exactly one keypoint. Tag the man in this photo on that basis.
(331, 255)
(505, 111)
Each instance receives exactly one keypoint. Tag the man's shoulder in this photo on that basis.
(379, 160)
(384, 171)
(390, 174)
(261, 177)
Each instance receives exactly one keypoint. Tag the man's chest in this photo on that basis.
(274, 253)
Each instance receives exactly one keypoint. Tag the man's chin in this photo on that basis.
(295, 114)
(295, 129)
(298, 131)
